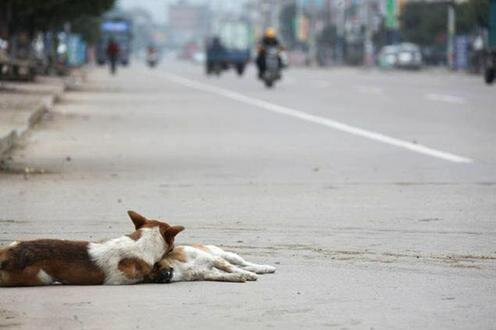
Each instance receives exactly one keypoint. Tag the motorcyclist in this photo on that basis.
(269, 40)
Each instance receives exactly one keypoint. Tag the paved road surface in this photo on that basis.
(373, 193)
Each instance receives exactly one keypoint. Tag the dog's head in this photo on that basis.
(161, 273)
(167, 231)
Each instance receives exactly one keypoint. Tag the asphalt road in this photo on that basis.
(374, 194)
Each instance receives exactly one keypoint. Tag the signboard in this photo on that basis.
(76, 50)
(302, 28)
(461, 52)
(391, 19)
(114, 26)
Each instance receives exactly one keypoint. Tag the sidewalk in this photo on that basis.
(22, 105)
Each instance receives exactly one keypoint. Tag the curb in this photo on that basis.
(7, 142)
(45, 105)
(13, 138)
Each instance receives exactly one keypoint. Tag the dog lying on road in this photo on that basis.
(124, 260)
(205, 263)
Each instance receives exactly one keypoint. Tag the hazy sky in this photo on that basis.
(158, 8)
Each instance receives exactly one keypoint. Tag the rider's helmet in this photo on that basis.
(270, 32)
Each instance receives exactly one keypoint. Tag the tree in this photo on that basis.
(88, 27)
(424, 23)
(471, 15)
(31, 16)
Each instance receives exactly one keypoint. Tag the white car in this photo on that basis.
(404, 55)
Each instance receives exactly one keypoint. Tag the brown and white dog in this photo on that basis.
(205, 263)
(123, 260)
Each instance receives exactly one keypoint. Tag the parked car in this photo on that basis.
(387, 57)
(401, 56)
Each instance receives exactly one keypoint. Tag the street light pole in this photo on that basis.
(340, 29)
(312, 34)
(367, 42)
(451, 35)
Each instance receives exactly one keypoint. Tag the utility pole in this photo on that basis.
(312, 40)
(340, 29)
(451, 35)
(367, 40)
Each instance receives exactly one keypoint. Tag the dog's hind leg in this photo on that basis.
(216, 275)
(225, 266)
(237, 260)
(11, 275)
(258, 269)
(29, 276)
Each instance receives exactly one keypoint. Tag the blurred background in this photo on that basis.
(46, 37)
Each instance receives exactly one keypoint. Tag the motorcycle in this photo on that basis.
(272, 66)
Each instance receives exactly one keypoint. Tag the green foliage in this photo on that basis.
(88, 27)
(45, 15)
(425, 23)
(472, 14)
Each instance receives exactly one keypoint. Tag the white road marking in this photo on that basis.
(318, 120)
(445, 98)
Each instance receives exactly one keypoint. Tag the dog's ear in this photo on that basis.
(171, 232)
(137, 219)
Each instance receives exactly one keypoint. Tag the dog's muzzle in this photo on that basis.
(165, 275)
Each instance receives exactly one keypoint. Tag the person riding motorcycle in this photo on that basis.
(269, 40)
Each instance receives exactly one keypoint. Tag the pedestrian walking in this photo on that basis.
(113, 55)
